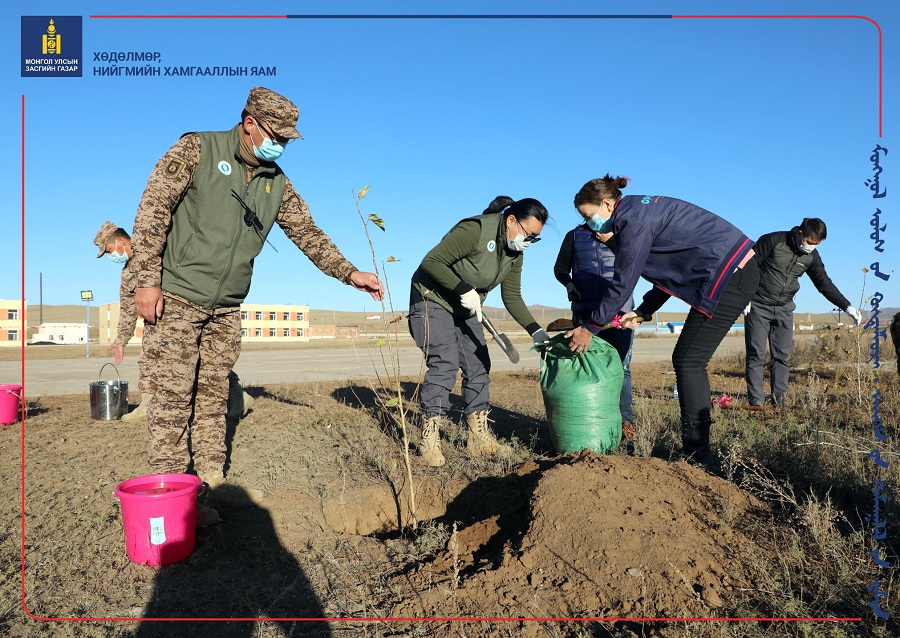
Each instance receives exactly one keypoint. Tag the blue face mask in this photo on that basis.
(119, 258)
(268, 151)
(600, 225)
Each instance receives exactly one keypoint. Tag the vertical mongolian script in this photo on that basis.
(878, 514)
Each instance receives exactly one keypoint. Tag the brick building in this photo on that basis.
(260, 323)
(13, 315)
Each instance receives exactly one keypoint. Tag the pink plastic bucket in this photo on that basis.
(9, 403)
(159, 515)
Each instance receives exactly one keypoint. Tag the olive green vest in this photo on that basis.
(210, 248)
(483, 269)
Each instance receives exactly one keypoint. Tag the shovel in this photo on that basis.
(502, 340)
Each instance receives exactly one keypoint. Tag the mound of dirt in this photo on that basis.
(591, 536)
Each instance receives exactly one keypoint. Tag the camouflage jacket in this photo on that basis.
(168, 184)
(127, 312)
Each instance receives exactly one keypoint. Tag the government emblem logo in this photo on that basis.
(51, 46)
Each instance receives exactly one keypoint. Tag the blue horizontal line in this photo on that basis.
(473, 16)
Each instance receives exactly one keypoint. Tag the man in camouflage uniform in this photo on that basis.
(204, 216)
(116, 243)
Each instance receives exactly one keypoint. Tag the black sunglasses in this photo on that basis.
(529, 238)
(284, 141)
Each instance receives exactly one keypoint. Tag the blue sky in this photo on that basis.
(762, 121)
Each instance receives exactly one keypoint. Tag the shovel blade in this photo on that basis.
(502, 340)
(508, 348)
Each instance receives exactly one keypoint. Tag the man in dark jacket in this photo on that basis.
(783, 257)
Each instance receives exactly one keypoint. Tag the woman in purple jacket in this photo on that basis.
(684, 251)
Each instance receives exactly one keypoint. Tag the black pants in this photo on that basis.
(701, 336)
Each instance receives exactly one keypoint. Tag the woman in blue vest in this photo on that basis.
(591, 264)
(684, 251)
(477, 255)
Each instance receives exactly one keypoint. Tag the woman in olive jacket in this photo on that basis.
(478, 254)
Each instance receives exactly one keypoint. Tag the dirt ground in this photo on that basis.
(537, 536)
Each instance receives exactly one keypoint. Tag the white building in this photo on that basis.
(64, 333)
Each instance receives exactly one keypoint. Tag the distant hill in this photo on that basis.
(60, 314)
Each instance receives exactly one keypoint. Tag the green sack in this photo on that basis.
(581, 395)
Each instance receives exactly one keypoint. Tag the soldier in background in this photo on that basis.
(115, 243)
(204, 216)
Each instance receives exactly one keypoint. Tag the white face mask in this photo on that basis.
(521, 242)
(802, 245)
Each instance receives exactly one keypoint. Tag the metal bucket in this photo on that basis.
(109, 399)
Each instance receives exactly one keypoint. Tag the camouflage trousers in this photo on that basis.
(184, 364)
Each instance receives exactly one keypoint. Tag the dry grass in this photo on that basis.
(809, 461)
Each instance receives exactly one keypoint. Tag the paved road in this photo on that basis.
(72, 376)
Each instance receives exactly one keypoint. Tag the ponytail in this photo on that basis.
(596, 190)
(521, 210)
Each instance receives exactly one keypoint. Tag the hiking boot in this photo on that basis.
(481, 441)
(140, 412)
(628, 432)
(695, 441)
(430, 448)
(207, 516)
(221, 491)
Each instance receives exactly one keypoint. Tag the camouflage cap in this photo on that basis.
(104, 236)
(275, 110)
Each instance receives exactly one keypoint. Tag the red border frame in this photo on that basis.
(434, 619)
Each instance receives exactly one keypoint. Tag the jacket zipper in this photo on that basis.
(234, 243)
(794, 260)
(500, 253)
(184, 247)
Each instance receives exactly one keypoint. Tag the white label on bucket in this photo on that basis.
(157, 531)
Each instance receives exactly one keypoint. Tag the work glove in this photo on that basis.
(472, 302)
(747, 309)
(540, 336)
(855, 314)
(574, 295)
